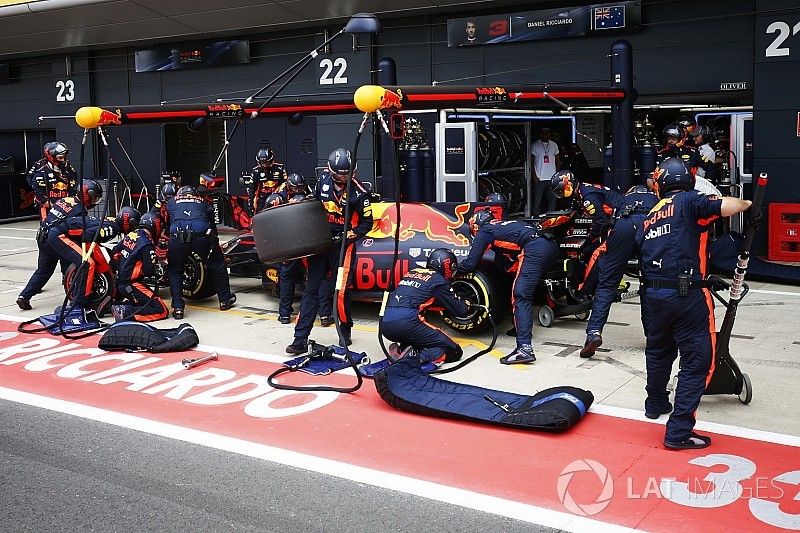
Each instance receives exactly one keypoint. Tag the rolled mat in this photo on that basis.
(406, 386)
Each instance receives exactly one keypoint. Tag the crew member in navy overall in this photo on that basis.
(190, 220)
(331, 190)
(615, 252)
(53, 178)
(538, 251)
(597, 203)
(673, 242)
(136, 259)
(60, 237)
(403, 320)
(265, 178)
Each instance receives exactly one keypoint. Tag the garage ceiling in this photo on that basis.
(53, 26)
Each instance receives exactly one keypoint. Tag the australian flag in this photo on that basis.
(607, 18)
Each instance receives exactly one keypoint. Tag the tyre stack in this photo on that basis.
(501, 159)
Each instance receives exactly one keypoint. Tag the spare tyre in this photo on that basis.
(291, 231)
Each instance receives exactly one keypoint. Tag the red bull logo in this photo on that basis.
(107, 118)
(391, 99)
(224, 107)
(490, 90)
(491, 95)
(420, 218)
(661, 214)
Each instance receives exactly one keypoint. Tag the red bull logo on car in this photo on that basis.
(423, 219)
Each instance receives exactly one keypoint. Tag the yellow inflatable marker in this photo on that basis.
(370, 98)
(91, 117)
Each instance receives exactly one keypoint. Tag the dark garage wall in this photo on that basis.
(679, 50)
(776, 149)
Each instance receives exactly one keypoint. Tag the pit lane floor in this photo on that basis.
(766, 346)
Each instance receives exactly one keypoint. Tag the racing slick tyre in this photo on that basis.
(102, 291)
(482, 289)
(197, 283)
(291, 231)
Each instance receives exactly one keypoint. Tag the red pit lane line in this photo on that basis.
(608, 469)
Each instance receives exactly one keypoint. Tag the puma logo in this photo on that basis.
(658, 263)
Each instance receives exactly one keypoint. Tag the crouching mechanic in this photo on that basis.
(192, 230)
(136, 259)
(674, 258)
(538, 251)
(403, 320)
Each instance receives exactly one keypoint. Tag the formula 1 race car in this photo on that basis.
(423, 228)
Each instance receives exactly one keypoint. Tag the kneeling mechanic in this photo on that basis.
(403, 320)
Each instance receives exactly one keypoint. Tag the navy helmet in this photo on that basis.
(127, 219)
(444, 262)
(151, 222)
(672, 174)
(187, 190)
(495, 198)
(91, 193)
(340, 164)
(478, 219)
(265, 157)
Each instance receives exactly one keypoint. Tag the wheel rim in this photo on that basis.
(467, 291)
(189, 274)
(100, 288)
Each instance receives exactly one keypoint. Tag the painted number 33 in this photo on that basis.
(727, 488)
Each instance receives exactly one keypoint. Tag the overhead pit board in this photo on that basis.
(558, 23)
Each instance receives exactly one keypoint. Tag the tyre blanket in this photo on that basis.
(405, 386)
(136, 336)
